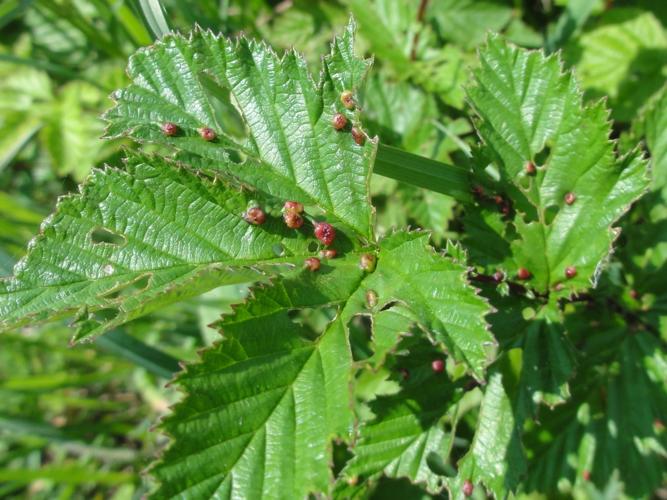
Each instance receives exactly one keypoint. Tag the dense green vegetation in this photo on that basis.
(491, 176)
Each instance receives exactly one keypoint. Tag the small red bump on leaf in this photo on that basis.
(634, 294)
(529, 167)
(208, 134)
(438, 365)
(293, 220)
(467, 488)
(347, 98)
(312, 263)
(570, 272)
(358, 136)
(658, 424)
(170, 129)
(255, 215)
(339, 121)
(328, 253)
(293, 206)
(498, 276)
(498, 199)
(405, 373)
(586, 475)
(367, 262)
(478, 191)
(325, 232)
(570, 198)
(523, 273)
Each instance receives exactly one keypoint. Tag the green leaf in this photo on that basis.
(436, 290)
(389, 28)
(615, 422)
(529, 111)
(278, 383)
(655, 124)
(540, 355)
(624, 57)
(71, 135)
(466, 22)
(138, 239)
(291, 151)
(263, 404)
(406, 436)
(495, 458)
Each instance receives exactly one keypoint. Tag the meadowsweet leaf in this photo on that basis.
(495, 459)
(623, 57)
(436, 291)
(278, 382)
(262, 406)
(289, 148)
(406, 436)
(134, 240)
(530, 111)
(615, 422)
(539, 353)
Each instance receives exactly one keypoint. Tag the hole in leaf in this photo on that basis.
(542, 157)
(104, 235)
(106, 314)
(389, 305)
(436, 463)
(128, 289)
(550, 214)
(360, 337)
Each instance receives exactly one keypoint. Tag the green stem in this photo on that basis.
(121, 344)
(423, 172)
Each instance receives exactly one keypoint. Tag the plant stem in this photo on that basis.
(423, 172)
(121, 344)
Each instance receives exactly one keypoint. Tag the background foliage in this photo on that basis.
(585, 381)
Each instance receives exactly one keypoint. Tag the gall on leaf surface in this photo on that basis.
(529, 110)
(273, 122)
(134, 240)
(436, 291)
(276, 388)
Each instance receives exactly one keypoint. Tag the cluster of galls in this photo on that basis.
(170, 129)
(504, 206)
(339, 120)
(502, 203)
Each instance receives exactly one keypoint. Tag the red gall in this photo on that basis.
(255, 215)
(339, 121)
(208, 134)
(438, 366)
(347, 98)
(325, 232)
(293, 206)
(358, 136)
(523, 273)
(170, 129)
(329, 253)
(312, 264)
(293, 220)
